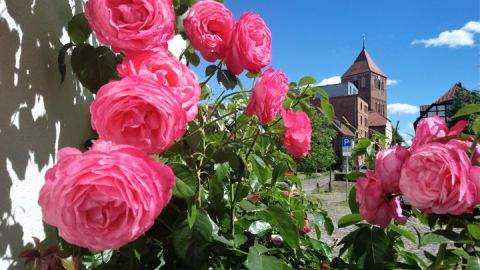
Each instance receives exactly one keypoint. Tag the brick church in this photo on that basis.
(360, 100)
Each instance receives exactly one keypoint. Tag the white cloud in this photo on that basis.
(331, 80)
(392, 82)
(410, 126)
(453, 38)
(401, 108)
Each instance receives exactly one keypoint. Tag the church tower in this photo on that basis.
(370, 81)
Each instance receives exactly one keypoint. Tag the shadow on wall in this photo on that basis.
(37, 114)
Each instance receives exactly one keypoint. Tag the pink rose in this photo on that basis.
(208, 26)
(250, 45)
(306, 227)
(434, 128)
(388, 165)
(268, 94)
(298, 133)
(437, 178)
(166, 70)
(375, 206)
(132, 25)
(106, 197)
(139, 112)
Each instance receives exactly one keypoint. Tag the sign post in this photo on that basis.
(346, 152)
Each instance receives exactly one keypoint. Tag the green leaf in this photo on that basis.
(190, 243)
(258, 227)
(473, 263)
(279, 171)
(306, 80)
(181, 10)
(210, 70)
(192, 216)
(186, 185)
(433, 238)
(68, 263)
(252, 75)
(476, 125)
(239, 239)
(352, 201)
(257, 261)
(321, 247)
(259, 161)
(349, 219)
(474, 230)
(467, 110)
(206, 91)
(409, 235)
(192, 57)
(328, 225)
(222, 171)
(94, 67)
(61, 60)
(78, 29)
(282, 221)
(320, 91)
(327, 109)
(226, 79)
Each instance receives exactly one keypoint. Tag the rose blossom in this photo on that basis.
(132, 25)
(375, 206)
(298, 133)
(250, 45)
(388, 165)
(434, 128)
(306, 227)
(268, 94)
(106, 197)
(437, 178)
(208, 26)
(166, 70)
(139, 112)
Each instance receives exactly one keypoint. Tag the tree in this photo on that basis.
(461, 98)
(321, 154)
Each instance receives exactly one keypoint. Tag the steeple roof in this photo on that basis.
(363, 64)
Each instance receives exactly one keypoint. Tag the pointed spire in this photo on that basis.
(363, 41)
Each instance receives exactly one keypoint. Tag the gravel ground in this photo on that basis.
(336, 205)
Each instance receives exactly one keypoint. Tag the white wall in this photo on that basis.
(37, 114)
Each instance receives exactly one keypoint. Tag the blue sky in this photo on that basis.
(323, 38)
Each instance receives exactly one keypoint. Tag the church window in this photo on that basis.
(363, 82)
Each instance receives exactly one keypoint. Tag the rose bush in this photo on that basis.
(132, 25)
(93, 197)
(437, 179)
(231, 171)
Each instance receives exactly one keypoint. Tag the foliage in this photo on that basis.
(233, 205)
(321, 154)
(370, 247)
(463, 97)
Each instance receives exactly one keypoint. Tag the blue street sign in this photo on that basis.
(346, 142)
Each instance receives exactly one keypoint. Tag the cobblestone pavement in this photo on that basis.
(336, 205)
